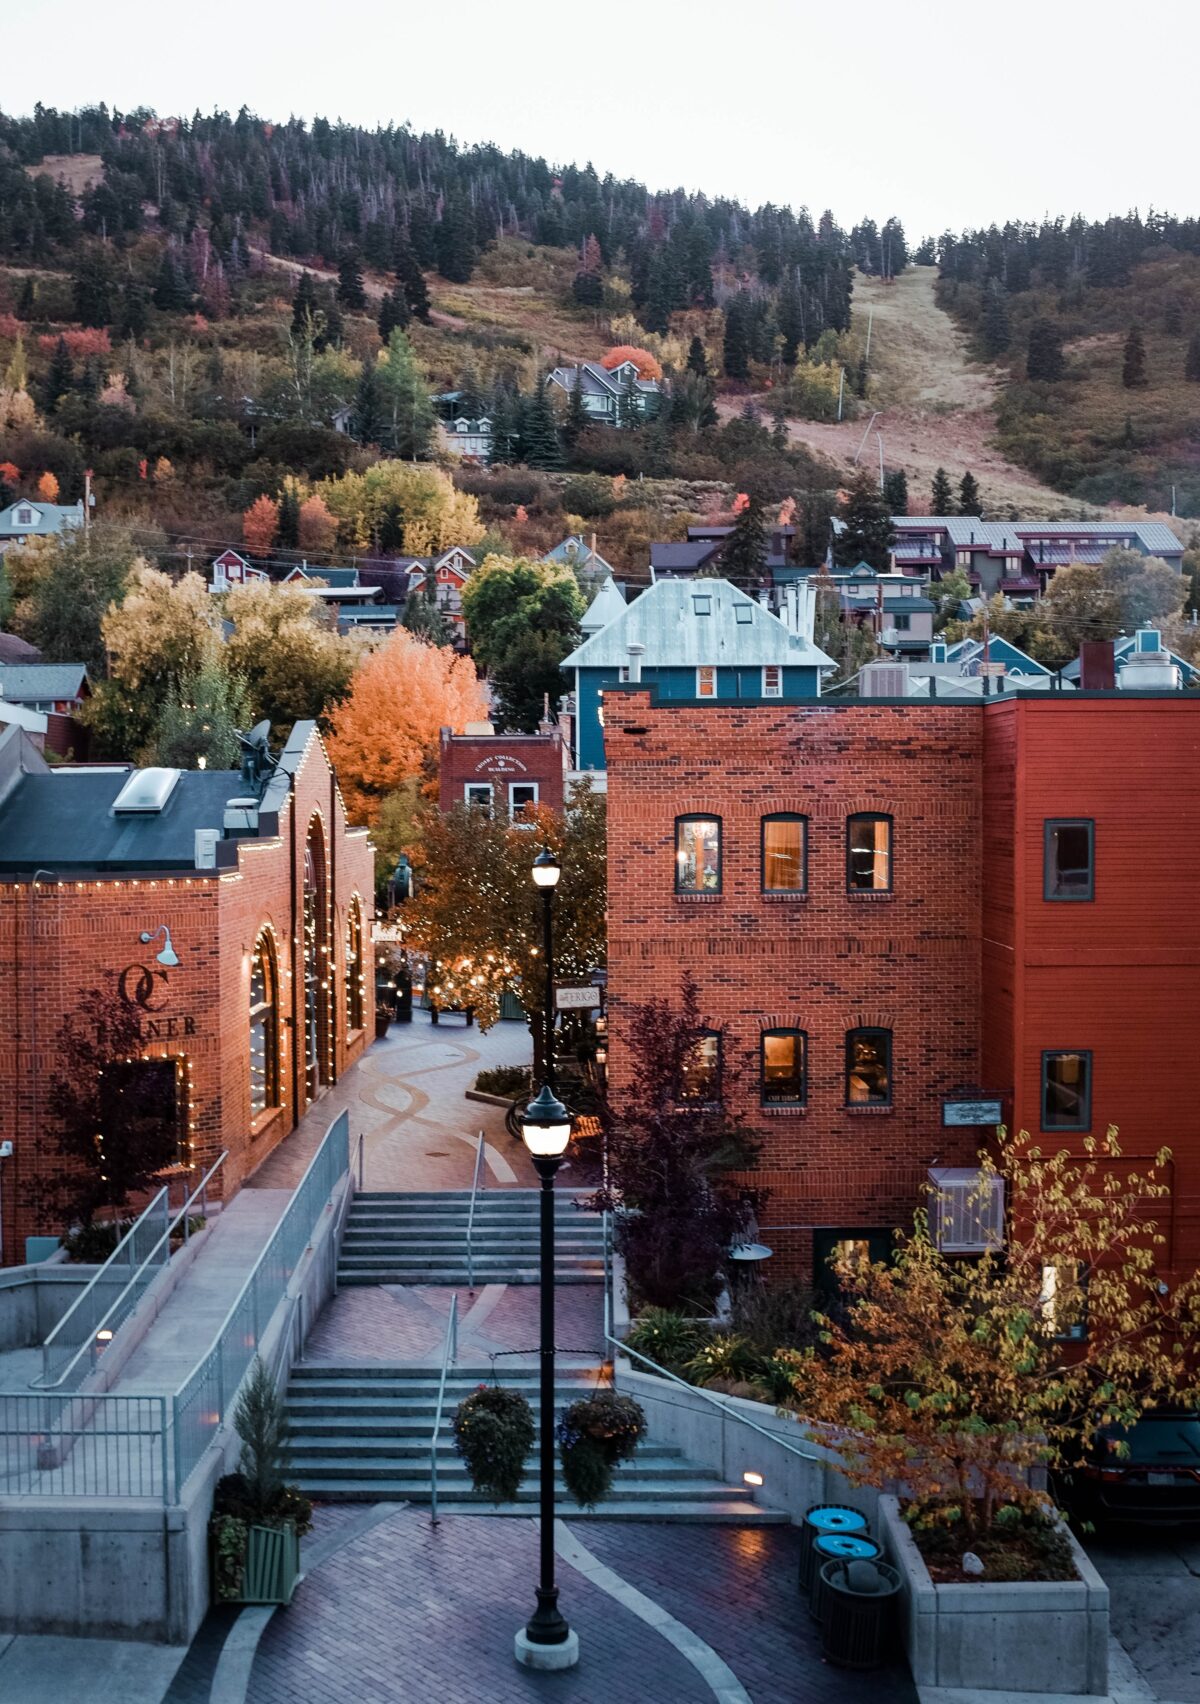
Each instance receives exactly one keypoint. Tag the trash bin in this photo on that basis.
(859, 1612)
(832, 1547)
(824, 1517)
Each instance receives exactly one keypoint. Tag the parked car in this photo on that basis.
(1148, 1473)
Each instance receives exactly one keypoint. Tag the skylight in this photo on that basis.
(146, 792)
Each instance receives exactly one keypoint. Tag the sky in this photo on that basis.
(946, 114)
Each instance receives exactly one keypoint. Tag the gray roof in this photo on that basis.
(677, 558)
(48, 518)
(668, 620)
(63, 820)
(31, 683)
(607, 605)
(1154, 536)
(14, 649)
(593, 377)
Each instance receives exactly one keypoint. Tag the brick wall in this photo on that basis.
(499, 759)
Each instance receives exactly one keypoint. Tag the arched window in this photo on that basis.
(264, 1026)
(354, 966)
(318, 1047)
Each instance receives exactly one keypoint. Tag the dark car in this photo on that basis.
(1148, 1473)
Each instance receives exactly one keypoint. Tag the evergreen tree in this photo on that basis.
(867, 525)
(1191, 365)
(27, 300)
(456, 241)
(969, 500)
(810, 542)
(171, 292)
(350, 291)
(288, 535)
(328, 331)
(304, 305)
(737, 338)
(1044, 358)
(588, 289)
(744, 558)
(406, 410)
(92, 287)
(697, 360)
(423, 617)
(539, 430)
(1133, 370)
(393, 313)
(941, 494)
(577, 415)
(60, 377)
(895, 492)
(1172, 318)
(133, 314)
(995, 327)
(505, 416)
(367, 421)
(629, 403)
(790, 317)
(411, 279)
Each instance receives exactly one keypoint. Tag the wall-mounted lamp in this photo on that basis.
(752, 1478)
(168, 955)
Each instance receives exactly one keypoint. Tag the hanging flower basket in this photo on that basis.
(595, 1434)
(493, 1433)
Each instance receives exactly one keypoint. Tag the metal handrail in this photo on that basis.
(471, 1216)
(88, 1345)
(360, 1160)
(449, 1354)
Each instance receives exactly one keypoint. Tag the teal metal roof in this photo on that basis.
(694, 623)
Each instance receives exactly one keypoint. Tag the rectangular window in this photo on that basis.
(1070, 858)
(868, 1067)
(478, 796)
(706, 682)
(1064, 1301)
(697, 854)
(521, 794)
(869, 854)
(784, 1067)
(700, 1071)
(140, 1109)
(772, 681)
(702, 603)
(902, 623)
(1066, 1091)
(784, 854)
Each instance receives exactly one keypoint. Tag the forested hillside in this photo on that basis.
(1099, 327)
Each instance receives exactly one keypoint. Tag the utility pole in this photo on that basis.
(870, 323)
(879, 440)
(87, 498)
(842, 392)
(858, 452)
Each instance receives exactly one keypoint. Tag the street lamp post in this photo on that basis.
(546, 1642)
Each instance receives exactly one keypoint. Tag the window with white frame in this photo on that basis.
(706, 682)
(477, 795)
(520, 795)
(772, 681)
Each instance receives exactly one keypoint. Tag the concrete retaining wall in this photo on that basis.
(34, 1298)
(715, 1439)
(1044, 1636)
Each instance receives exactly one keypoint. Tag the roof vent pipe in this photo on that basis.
(636, 653)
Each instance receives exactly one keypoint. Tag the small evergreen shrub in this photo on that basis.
(505, 1080)
(493, 1433)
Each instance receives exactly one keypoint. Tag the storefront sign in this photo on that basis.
(576, 999)
(146, 987)
(990, 1111)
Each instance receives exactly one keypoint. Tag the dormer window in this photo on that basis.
(24, 517)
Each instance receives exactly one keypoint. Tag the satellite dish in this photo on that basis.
(750, 1251)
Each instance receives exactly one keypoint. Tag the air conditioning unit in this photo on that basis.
(206, 848)
(883, 680)
(966, 1210)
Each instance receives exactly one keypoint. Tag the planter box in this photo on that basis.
(1009, 1636)
(271, 1568)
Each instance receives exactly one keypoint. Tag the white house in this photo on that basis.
(26, 519)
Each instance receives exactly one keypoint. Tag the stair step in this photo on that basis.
(732, 1510)
(414, 1481)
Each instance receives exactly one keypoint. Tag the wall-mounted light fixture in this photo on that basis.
(168, 955)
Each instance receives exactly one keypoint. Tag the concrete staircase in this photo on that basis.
(414, 1238)
(362, 1434)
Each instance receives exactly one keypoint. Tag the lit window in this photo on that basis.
(697, 854)
(772, 681)
(1069, 859)
(784, 1067)
(1064, 1301)
(700, 1070)
(354, 966)
(522, 794)
(868, 1067)
(784, 854)
(706, 682)
(478, 796)
(1066, 1091)
(869, 854)
(264, 1027)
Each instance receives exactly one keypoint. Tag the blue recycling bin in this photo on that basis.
(830, 1547)
(824, 1518)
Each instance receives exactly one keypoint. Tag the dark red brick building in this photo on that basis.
(230, 911)
(897, 908)
(503, 773)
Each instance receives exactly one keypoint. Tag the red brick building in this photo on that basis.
(231, 912)
(502, 773)
(892, 906)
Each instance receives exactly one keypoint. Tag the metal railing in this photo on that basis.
(89, 1326)
(200, 1403)
(61, 1445)
(360, 1160)
(449, 1355)
(471, 1216)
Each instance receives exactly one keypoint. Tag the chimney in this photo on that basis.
(636, 653)
(1097, 672)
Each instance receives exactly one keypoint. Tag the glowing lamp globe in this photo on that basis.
(546, 1125)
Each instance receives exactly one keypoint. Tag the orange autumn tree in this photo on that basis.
(954, 1377)
(318, 529)
(387, 729)
(47, 488)
(260, 524)
(648, 365)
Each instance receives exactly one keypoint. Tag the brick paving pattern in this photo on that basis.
(406, 1324)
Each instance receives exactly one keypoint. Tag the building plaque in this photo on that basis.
(985, 1110)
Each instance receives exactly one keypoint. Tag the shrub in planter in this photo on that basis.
(258, 1520)
(595, 1434)
(92, 1244)
(666, 1336)
(493, 1433)
(506, 1080)
(727, 1357)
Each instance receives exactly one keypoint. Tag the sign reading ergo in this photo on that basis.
(576, 999)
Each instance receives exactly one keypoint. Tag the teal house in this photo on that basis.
(692, 641)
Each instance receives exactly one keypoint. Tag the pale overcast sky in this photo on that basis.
(947, 114)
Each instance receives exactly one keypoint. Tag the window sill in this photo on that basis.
(776, 895)
(698, 898)
(796, 1111)
(869, 1111)
(264, 1121)
(869, 896)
